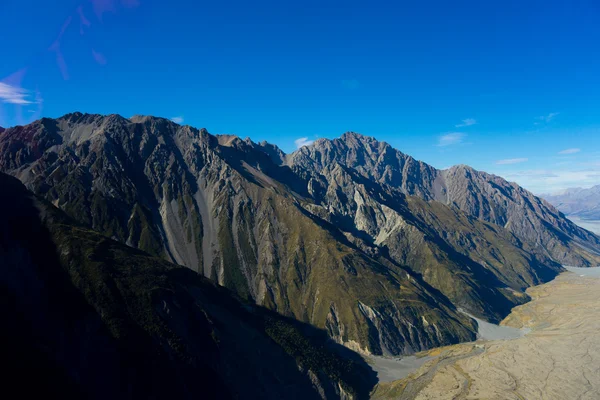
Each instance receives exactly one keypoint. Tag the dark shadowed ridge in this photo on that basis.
(89, 317)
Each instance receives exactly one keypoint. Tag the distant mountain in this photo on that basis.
(88, 317)
(349, 235)
(578, 202)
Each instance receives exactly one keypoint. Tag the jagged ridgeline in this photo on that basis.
(349, 235)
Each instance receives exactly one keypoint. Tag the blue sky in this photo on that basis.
(512, 88)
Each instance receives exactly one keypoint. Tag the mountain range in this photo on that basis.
(349, 236)
(577, 202)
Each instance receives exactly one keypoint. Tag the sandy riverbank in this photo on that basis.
(558, 359)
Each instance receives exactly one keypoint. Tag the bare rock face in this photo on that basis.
(484, 196)
(478, 266)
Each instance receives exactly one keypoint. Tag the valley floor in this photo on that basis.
(558, 359)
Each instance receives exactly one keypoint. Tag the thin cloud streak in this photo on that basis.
(547, 118)
(510, 161)
(14, 95)
(570, 151)
(467, 122)
(451, 138)
(303, 141)
(177, 120)
(99, 57)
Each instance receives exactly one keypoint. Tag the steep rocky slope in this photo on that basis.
(578, 202)
(484, 196)
(349, 235)
(91, 318)
(478, 266)
(222, 207)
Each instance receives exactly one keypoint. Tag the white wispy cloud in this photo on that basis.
(15, 95)
(99, 57)
(569, 151)
(451, 138)
(511, 161)
(561, 163)
(532, 174)
(177, 120)
(303, 141)
(466, 122)
(547, 118)
(350, 84)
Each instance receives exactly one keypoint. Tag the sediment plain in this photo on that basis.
(558, 359)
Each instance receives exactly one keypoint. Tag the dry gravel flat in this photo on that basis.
(559, 359)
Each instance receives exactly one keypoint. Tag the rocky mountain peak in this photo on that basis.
(228, 140)
(85, 118)
(359, 138)
(461, 167)
(273, 151)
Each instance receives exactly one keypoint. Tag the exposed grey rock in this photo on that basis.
(485, 196)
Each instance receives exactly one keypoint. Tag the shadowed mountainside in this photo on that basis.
(90, 317)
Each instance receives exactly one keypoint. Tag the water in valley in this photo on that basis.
(585, 272)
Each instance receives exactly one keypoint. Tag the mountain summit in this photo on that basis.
(349, 235)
